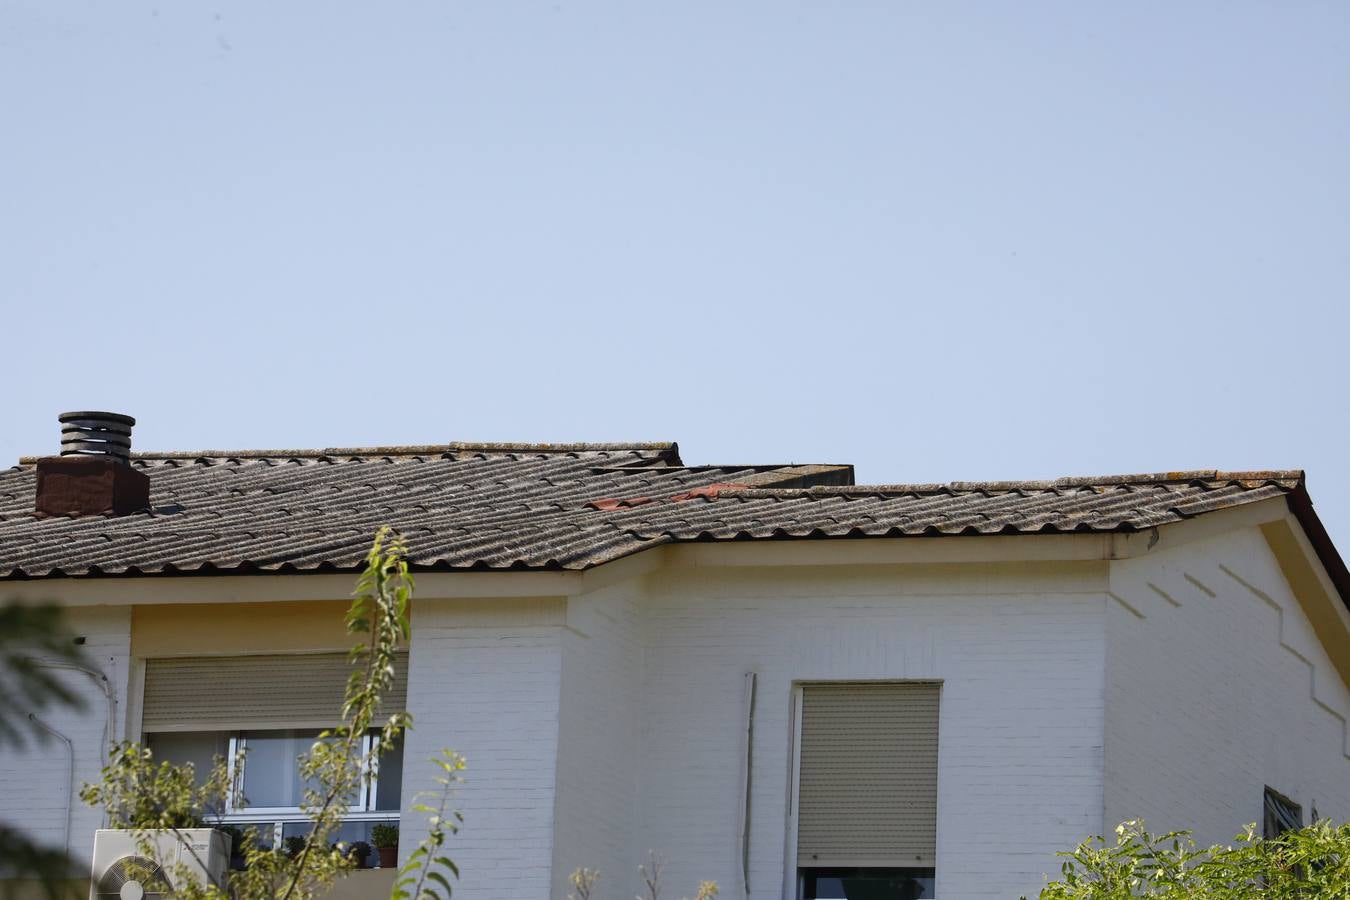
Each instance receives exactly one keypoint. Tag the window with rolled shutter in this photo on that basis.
(867, 789)
(274, 691)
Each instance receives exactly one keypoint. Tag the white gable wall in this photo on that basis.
(1217, 687)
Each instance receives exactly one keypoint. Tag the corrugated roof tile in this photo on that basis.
(570, 506)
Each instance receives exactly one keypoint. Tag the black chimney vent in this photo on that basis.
(93, 476)
(96, 434)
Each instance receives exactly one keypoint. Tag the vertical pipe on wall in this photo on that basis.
(747, 775)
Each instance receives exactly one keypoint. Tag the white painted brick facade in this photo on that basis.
(599, 741)
(1220, 689)
(35, 782)
(1021, 661)
(484, 680)
(1171, 686)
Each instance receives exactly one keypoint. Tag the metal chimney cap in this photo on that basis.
(102, 434)
(92, 414)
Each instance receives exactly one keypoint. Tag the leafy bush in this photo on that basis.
(141, 794)
(1306, 863)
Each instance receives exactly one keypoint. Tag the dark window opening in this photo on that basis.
(866, 884)
(1282, 814)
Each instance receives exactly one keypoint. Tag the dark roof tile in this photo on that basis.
(533, 506)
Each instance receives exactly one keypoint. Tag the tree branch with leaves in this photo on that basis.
(146, 797)
(35, 645)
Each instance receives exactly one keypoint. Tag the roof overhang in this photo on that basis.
(1280, 521)
(1314, 582)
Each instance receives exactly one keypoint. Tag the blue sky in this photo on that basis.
(940, 241)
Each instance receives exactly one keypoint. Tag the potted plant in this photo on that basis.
(384, 836)
(359, 853)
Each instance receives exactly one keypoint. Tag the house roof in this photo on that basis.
(548, 506)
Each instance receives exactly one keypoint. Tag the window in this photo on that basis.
(1282, 814)
(269, 789)
(270, 778)
(273, 707)
(866, 800)
(866, 884)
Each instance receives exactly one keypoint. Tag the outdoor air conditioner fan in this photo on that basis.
(124, 870)
(133, 878)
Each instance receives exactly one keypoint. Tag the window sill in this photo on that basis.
(258, 817)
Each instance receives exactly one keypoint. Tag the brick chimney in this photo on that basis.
(93, 475)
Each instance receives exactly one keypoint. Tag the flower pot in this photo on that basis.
(388, 857)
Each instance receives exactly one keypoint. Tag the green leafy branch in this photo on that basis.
(149, 797)
(428, 862)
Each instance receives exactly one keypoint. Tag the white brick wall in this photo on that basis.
(1211, 693)
(1021, 658)
(35, 782)
(484, 680)
(599, 736)
(1173, 686)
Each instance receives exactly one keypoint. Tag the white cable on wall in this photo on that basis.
(104, 685)
(70, 775)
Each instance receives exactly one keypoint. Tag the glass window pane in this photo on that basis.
(389, 787)
(346, 833)
(296, 829)
(867, 884)
(200, 748)
(350, 833)
(292, 834)
(271, 767)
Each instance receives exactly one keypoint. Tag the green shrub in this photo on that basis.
(384, 834)
(1306, 863)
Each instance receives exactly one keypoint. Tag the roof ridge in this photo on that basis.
(665, 447)
(1271, 475)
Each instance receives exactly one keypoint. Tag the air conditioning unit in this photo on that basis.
(122, 871)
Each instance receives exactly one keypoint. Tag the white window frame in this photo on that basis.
(790, 889)
(280, 816)
(365, 798)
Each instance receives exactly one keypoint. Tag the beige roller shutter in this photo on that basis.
(868, 778)
(231, 693)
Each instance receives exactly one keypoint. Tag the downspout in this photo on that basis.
(747, 773)
(70, 774)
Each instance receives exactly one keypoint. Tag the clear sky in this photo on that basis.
(939, 241)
